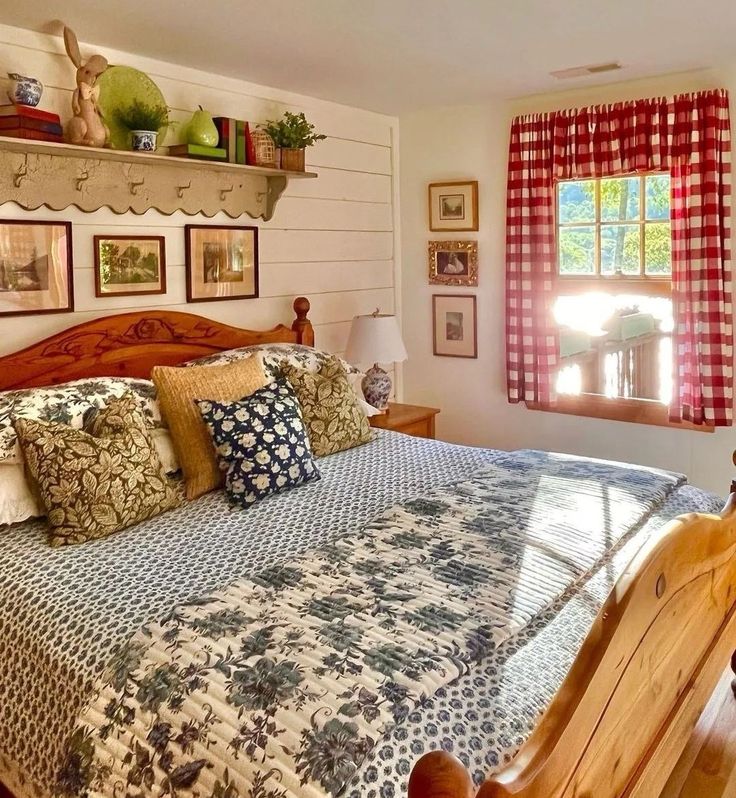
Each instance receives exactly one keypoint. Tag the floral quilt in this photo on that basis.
(282, 684)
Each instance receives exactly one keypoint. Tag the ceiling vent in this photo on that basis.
(583, 71)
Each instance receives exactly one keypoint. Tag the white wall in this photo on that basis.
(331, 239)
(472, 142)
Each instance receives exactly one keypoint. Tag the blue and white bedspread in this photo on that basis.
(448, 620)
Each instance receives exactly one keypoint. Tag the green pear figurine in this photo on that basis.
(202, 130)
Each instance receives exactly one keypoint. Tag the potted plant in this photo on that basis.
(292, 134)
(144, 123)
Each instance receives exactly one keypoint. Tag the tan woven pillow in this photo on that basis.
(94, 485)
(177, 389)
(330, 407)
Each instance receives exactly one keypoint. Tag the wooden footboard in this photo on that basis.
(625, 712)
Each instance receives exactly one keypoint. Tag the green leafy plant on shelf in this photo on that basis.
(292, 131)
(141, 116)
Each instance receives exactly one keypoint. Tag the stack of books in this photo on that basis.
(198, 151)
(235, 140)
(24, 122)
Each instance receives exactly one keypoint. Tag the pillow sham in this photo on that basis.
(17, 502)
(68, 403)
(272, 356)
(178, 388)
(93, 486)
(261, 442)
(330, 408)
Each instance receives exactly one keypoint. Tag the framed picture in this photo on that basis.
(222, 262)
(130, 265)
(453, 206)
(453, 263)
(455, 328)
(35, 267)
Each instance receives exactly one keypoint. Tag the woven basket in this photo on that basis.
(265, 149)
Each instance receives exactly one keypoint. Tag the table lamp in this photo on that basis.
(375, 338)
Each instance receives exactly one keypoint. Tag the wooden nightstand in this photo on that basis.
(409, 419)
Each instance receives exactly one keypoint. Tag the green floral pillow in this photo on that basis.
(330, 407)
(94, 484)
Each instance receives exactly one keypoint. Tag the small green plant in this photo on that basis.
(292, 131)
(140, 116)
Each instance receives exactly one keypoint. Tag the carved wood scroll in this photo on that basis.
(58, 176)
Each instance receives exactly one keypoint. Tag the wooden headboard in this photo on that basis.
(130, 344)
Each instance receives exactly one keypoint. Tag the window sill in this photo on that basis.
(634, 411)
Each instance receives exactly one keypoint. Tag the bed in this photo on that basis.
(635, 605)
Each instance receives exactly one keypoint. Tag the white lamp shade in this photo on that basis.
(375, 339)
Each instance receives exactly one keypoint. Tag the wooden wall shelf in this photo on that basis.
(39, 173)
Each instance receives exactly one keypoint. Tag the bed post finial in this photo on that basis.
(301, 325)
(439, 774)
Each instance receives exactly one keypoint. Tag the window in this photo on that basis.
(613, 302)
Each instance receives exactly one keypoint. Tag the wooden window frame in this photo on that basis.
(598, 224)
(632, 410)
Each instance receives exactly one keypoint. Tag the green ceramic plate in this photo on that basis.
(119, 87)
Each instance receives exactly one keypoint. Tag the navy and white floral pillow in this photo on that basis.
(261, 442)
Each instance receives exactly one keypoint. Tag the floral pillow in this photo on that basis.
(69, 403)
(261, 442)
(330, 408)
(94, 485)
(273, 355)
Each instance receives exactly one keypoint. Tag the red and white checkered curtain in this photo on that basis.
(687, 135)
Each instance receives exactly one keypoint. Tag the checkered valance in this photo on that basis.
(688, 136)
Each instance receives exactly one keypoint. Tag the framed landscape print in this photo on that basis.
(455, 327)
(130, 265)
(221, 262)
(35, 267)
(453, 206)
(453, 263)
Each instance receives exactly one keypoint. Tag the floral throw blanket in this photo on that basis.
(282, 684)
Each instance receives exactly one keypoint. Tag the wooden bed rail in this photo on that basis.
(627, 708)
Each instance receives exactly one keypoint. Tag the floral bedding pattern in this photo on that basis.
(282, 684)
(70, 403)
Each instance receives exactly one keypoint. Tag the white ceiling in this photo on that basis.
(399, 55)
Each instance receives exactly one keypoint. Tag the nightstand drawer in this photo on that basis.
(420, 429)
(410, 419)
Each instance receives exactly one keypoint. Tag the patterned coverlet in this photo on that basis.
(283, 684)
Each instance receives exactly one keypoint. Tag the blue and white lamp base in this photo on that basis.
(376, 387)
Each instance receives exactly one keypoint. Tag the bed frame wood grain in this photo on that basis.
(627, 708)
(130, 344)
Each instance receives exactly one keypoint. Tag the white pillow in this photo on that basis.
(17, 502)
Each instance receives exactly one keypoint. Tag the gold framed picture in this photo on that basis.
(130, 265)
(36, 274)
(221, 262)
(453, 262)
(454, 325)
(453, 206)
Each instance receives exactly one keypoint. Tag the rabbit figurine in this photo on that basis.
(86, 127)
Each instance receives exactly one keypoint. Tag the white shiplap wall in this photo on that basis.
(333, 239)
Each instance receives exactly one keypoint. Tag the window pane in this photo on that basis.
(657, 249)
(577, 250)
(576, 201)
(620, 249)
(658, 197)
(620, 199)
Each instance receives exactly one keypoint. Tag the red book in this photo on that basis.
(250, 150)
(27, 123)
(29, 113)
(36, 135)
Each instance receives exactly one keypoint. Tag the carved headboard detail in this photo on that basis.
(130, 344)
